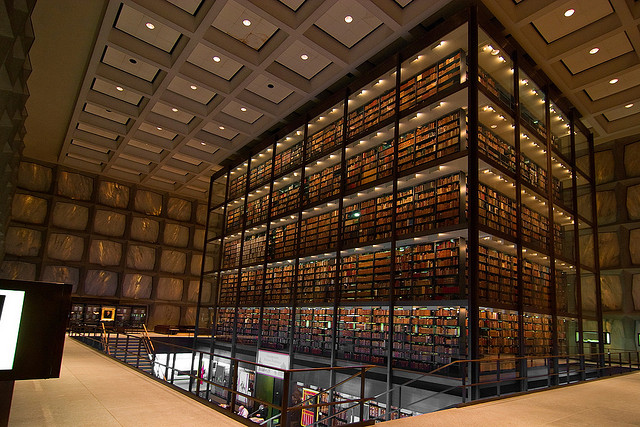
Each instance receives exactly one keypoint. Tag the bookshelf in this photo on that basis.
(316, 281)
(314, 332)
(368, 222)
(275, 327)
(537, 333)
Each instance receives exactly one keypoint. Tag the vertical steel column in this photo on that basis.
(266, 247)
(234, 337)
(338, 280)
(472, 187)
(552, 241)
(394, 238)
(521, 364)
(576, 242)
(596, 250)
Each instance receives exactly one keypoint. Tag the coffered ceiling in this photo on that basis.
(172, 88)
(589, 49)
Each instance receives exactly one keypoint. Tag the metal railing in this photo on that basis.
(465, 380)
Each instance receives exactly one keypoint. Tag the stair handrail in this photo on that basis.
(147, 341)
(105, 339)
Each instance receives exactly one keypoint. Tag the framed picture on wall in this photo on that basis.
(108, 314)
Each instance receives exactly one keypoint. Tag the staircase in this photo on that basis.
(132, 351)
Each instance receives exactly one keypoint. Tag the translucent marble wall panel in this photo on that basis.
(164, 314)
(34, 177)
(201, 214)
(136, 286)
(61, 274)
(70, 216)
(198, 238)
(113, 194)
(170, 289)
(65, 247)
(22, 241)
(18, 270)
(105, 252)
(26, 208)
(173, 261)
(192, 291)
(176, 235)
(74, 186)
(109, 223)
(144, 229)
(141, 257)
(101, 283)
(179, 209)
(148, 202)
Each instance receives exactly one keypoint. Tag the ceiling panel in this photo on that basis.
(223, 131)
(348, 22)
(294, 59)
(242, 112)
(269, 89)
(129, 64)
(244, 25)
(621, 112)
(608, 49)
(202, 146)
(106, 113)
(116, 91)
(292, 4)
(172, 112)
(97, 131)
(554, 24)
(617, 83)
(158, 131)
(147, 29)
(190, 6)
(190, 90)
(146, 146)
(204, 57)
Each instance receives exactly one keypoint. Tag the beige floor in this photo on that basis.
(94, 390)
(606, 402)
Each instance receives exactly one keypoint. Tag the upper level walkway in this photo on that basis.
(607, 402)
(94, 390)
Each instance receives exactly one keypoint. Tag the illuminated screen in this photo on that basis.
(33, 320)
(11, 303)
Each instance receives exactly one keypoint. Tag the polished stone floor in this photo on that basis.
(605, 402)
(94, 390)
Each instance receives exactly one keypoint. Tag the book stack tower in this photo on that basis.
(441, 208)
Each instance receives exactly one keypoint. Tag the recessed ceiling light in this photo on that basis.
(119, 88)
(194, 87)
(133, 61)
(613, 81)
(159, 128)
(304, 56)
(203, 143)
(221, 127)
(594, 51)
(243, 109)
(348, 19)
(216, 58)
(569, 12)
(150, 25)
(494, 52)
(494, 126)
(270, 86)
(174, 109)
(246, 22)
(628, 106)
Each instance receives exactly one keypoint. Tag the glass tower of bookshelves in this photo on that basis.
(441, 208)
